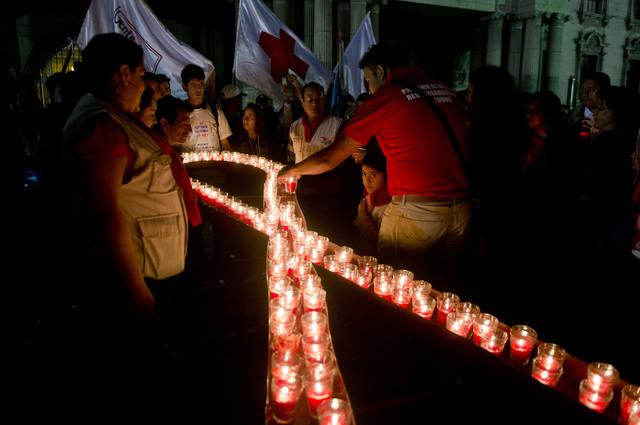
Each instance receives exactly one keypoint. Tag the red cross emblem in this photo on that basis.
(280, 50)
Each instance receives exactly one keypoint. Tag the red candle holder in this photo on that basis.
(523, 338)
(597, 400)
(446, 304)
(423, 306)
(496, 342)
(629, 403)
(334, 411)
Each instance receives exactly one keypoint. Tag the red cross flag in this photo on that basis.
(266, 51)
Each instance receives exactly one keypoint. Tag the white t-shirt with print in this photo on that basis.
(206, 133)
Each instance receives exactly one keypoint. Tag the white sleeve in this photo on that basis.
(224, 129)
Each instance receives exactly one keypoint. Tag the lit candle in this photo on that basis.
(314, 299)
(317, 392)
(285, 397)
(344, 254)
(593, 399)
(523, 339)
(290, 184)
(334, 412)
(331, 263)
(364, 278)
(484, 325)
(629, 402)
(496, 342)
(602, 377)
(382, 287)
(459, 323)
(545, 376)
(424, 306)
(313, 322)
(446, 304)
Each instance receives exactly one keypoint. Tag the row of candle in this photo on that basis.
(596, 391)
(292, 280)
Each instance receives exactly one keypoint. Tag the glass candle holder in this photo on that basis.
(291, 298)
(595, 399)
(545, 376)
(496, 342)
(344, 254)
(313, 322)
(310, 281)
(484, 325)
(277, 285)
(382, 271)
(277, 268)
(459, 323)
(280, 304)
(402, 278)
(602, 376)
(281, 323)
(551, 356)
(366, 263)
(523, 338)
(284, 398)
(382, 287)
(315, 346)
(331, 263)
(401, 293)
(334, 411)
(313, 299)
(447, 302)
(364, 278)
(285, 363)
(290, 184)
(350, 272)
(317, 391)
(629, 402)
(421, 288)
(423, 306)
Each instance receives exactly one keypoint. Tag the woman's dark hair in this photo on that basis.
(550, 107)
(257, 110)
(374, 157)
(103, 56)
(147, 97)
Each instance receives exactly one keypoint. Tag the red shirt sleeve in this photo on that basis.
(103, 138)
(368, 119)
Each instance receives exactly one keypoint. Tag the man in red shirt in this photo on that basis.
(426, 225)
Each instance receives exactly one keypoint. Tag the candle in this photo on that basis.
(314, 299)
(484, 325)
(334, 411)
(290, 184)
(523, 339)
(350, 272)
(446, 304)
(551, 356)
(285, 364)
(277, 285)
(459, 323)
(344, 254)
(331, 263)
(424, 306)
(382, 287)
(315, 347)
(313, 322)
(281, 323)
(629, 402)
(317, 392)
(401, 293)
(364, 278)
(285, 394)
(496, 342)
(594, 399)
(543, 375)
(602, 376)
(366, 263)
(316, 255)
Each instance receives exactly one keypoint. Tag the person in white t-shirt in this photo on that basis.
(315, 130)
(211, 130)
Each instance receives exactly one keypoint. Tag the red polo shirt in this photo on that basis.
(420, 158)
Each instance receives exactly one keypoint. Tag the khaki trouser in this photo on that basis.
(428, 238)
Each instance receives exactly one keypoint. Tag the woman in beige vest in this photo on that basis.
(130, 207)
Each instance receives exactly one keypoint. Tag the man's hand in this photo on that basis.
(286, 172)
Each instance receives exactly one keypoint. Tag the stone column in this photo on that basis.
(282, 9)
(531, 55)
(375, 20)
(322, 32)
(358, 10)
(554, 53)
(494, 39)
(515, 50)
(476, 46)
(344, 21)
(308, 23)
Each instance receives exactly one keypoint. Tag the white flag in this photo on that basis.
(358, 46)
(163, 53)
(266, 51)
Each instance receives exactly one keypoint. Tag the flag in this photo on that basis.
(163, 53)
(358, 46)
(267, 50)
(338, 80)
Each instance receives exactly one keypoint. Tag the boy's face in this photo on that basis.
(372, 178)
(195, 91)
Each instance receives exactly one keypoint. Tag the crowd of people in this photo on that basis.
(448, 181)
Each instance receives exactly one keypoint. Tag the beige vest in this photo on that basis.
(151, 201)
